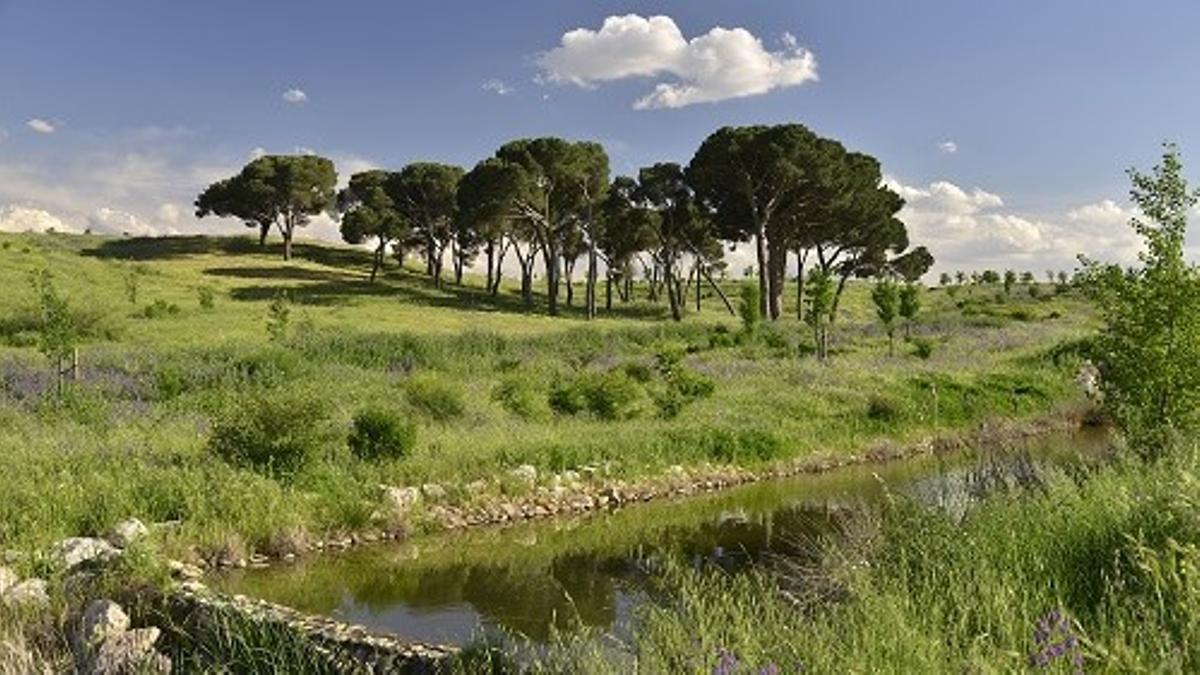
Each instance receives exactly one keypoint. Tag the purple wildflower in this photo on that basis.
(1054, 639)
(727, 662)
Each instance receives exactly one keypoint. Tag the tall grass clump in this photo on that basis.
(435, 397)
(379, 433)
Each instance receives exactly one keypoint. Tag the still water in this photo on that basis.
(591, 569)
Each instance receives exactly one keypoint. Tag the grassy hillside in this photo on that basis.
(488, 386)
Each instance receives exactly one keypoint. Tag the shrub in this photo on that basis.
(279, 314)
(273, 434)
(434, 397)
(922, 348)
(881, 409)
(610, 396)
(745, 445)
(749, 298)
(639, 372)
(381, 434)
(158, 309)
(206, 297)
(521, 397)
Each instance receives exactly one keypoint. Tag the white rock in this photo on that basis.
(126, 532)
(525, 473)
(401, 500)
(28, 593)
(102, 621)
(73, 552)
(433, 491)
(182, 570)
(8, 579)
(130, 652)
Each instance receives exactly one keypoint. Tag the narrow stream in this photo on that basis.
(531, 577)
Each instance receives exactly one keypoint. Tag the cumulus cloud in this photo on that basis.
(26, 219)
(973, 229)
(722, 64)
(295, 95)
(498, 87)
(41, 126)
(107, 220)
(948, 147)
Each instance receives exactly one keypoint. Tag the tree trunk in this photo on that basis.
(491, 255)
(760, 254)
(264, 229)
(608, 284)
(699, 270)
(837, 296)
(776, 272)
(569, 278)
(550, 258)
(590, 287)
(672, 293)
(377, 259)
(799, 285)
(287, 241)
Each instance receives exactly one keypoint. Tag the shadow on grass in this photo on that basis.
(168, 248)
(331, 287)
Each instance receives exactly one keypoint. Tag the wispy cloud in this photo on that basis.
(295, 95)
(41, 126)
(722, 64)
(498, 87)
(948, 147)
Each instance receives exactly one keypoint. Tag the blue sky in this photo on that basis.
(114, 114)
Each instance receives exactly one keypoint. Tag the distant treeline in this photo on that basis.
(785, 189)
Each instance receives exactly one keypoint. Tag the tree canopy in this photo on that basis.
(284, 191)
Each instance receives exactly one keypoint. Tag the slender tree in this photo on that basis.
(887, 301)
(910, 305)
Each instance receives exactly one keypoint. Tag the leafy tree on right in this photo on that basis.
(1148, 350)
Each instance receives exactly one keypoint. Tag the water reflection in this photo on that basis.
(534, 577)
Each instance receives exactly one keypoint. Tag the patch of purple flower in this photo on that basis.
(727, 664)
(1053, 640)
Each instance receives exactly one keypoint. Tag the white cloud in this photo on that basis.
(719, 65)
(498, 87)
(41, 126)
(974, 229)
(295, 95)
(107, 220)
(948, 147)
(26, 219)
(258, 152)
(170, 213)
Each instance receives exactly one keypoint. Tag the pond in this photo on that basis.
(536, 576)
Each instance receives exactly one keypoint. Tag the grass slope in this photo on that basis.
(475, 373)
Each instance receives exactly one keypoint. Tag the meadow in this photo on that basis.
(184, 341)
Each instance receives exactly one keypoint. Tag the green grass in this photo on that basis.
(1114, 554)
(132, 438)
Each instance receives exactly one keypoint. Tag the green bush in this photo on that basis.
(276, 434)
(881, 409)
(749, 298)
(522, 397)
(381, 434)
(434, 397)
(609, 396)
(206, 296)
(922, 348)
(159, 309)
